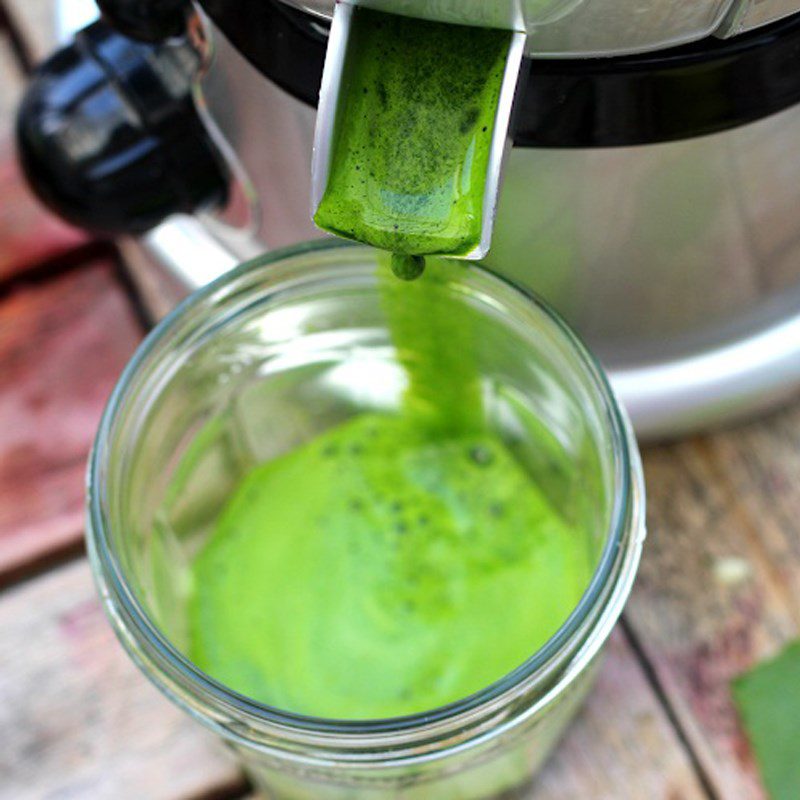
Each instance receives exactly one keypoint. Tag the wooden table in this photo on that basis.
(718, 588)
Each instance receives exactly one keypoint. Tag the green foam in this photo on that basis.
(377, 572)
(413, 133)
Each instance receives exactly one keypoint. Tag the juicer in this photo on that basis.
(650, 195)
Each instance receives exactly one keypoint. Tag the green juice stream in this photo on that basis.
(395, 563)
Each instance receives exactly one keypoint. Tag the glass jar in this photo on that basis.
(259, 362)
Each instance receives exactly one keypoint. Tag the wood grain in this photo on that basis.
(62, 346)
(621, 747)
(718, 588)
(29, 233)
(77, 720)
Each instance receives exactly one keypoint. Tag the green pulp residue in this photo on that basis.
(395, 563)
(768, 699)
(413, 133)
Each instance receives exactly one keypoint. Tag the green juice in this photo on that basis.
(413, 133)
(375, 572)
(397, 562)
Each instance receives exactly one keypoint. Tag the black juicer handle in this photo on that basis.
(147, 20)
(110, 138)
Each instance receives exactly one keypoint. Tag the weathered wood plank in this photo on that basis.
(622, 745)
(717, 591)
(81, 722)
(77, 720)
(760, 465)
(29, 233)
(63, 344)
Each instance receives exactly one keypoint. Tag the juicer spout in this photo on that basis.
(412, 131)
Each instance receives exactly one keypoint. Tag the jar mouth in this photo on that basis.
(136, 628)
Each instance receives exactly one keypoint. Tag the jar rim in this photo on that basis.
(134, 624)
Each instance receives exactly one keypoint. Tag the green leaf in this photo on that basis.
(768, 700)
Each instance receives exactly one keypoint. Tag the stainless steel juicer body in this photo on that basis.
(678, 260)
(586, 28)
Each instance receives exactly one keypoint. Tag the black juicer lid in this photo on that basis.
(677, 93)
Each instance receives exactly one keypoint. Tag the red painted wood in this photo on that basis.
(78, 721)
(29, 233)
(62, 346)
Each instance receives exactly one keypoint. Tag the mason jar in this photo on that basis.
(263, 360)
